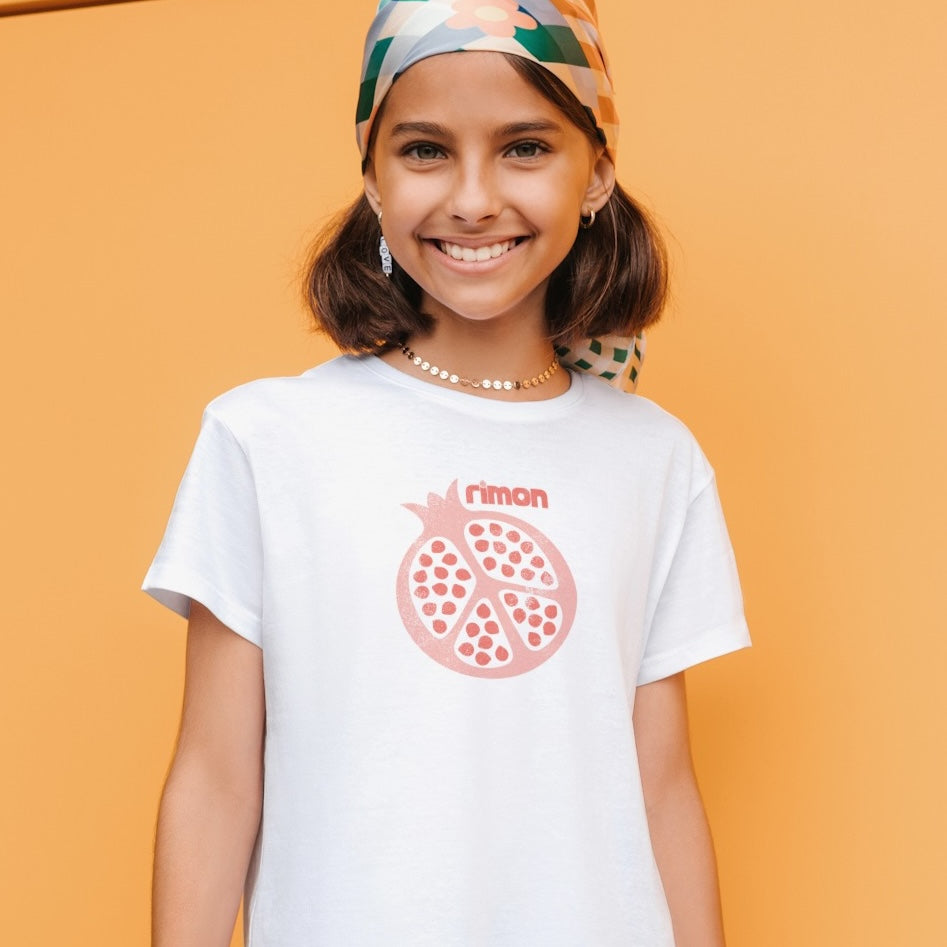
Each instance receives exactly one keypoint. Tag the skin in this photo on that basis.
(680, 834)
(449, 165)
(210, 808)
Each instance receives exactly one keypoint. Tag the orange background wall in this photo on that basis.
(163, 165)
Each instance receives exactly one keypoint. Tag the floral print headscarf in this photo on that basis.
(561, 35)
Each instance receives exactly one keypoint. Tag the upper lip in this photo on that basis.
(474, 243)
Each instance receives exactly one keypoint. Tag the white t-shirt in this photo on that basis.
(456, 599)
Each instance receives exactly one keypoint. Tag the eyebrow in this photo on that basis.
(420, 128)
(434, 130)
(521, 128)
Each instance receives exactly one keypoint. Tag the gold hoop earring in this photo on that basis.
(585, 222)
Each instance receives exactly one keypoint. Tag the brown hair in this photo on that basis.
(614, 279)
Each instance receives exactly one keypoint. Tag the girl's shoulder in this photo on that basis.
(629, 413)
(634, 431)
(264, 400)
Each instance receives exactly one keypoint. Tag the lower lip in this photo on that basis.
(475, 266)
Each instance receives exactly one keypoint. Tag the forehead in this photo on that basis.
(464, 86)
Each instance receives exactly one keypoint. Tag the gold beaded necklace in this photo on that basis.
(493, 383)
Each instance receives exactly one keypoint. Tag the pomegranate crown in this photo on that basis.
(435, 504)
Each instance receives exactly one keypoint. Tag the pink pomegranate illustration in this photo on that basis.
(482, 592)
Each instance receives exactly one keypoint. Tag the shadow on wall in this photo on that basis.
(45, 6)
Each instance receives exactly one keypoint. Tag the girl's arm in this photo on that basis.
(210, 809)
(680, 834)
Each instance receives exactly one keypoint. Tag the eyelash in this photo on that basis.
(411, 151)
(539, 147)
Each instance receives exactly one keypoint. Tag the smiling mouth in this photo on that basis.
(478, 254)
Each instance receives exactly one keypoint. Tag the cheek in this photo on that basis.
(559, 197)
(406, 191)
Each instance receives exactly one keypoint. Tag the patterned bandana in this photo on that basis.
(615, 359)
(561, 35)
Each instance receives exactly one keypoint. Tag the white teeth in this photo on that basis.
(479, 255)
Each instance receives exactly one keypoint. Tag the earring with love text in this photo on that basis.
(384, 252)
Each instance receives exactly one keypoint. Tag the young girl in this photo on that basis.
(442, 590)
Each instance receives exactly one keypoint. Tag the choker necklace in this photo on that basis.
(492, 383)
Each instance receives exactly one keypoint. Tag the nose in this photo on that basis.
(474, 192)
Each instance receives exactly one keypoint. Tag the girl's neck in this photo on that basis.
(514, 350)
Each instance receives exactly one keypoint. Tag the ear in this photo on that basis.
(371, 188)
(601, 184)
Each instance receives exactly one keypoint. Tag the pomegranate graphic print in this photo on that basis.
(482, 592)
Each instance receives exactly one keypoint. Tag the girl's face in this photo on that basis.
(481, 181)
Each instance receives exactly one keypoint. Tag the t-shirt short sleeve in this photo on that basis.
(699, 612)
(212, 550)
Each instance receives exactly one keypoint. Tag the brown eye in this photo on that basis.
(526, 149)
(424, 152)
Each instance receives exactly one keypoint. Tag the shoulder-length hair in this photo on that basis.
(613, 280)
